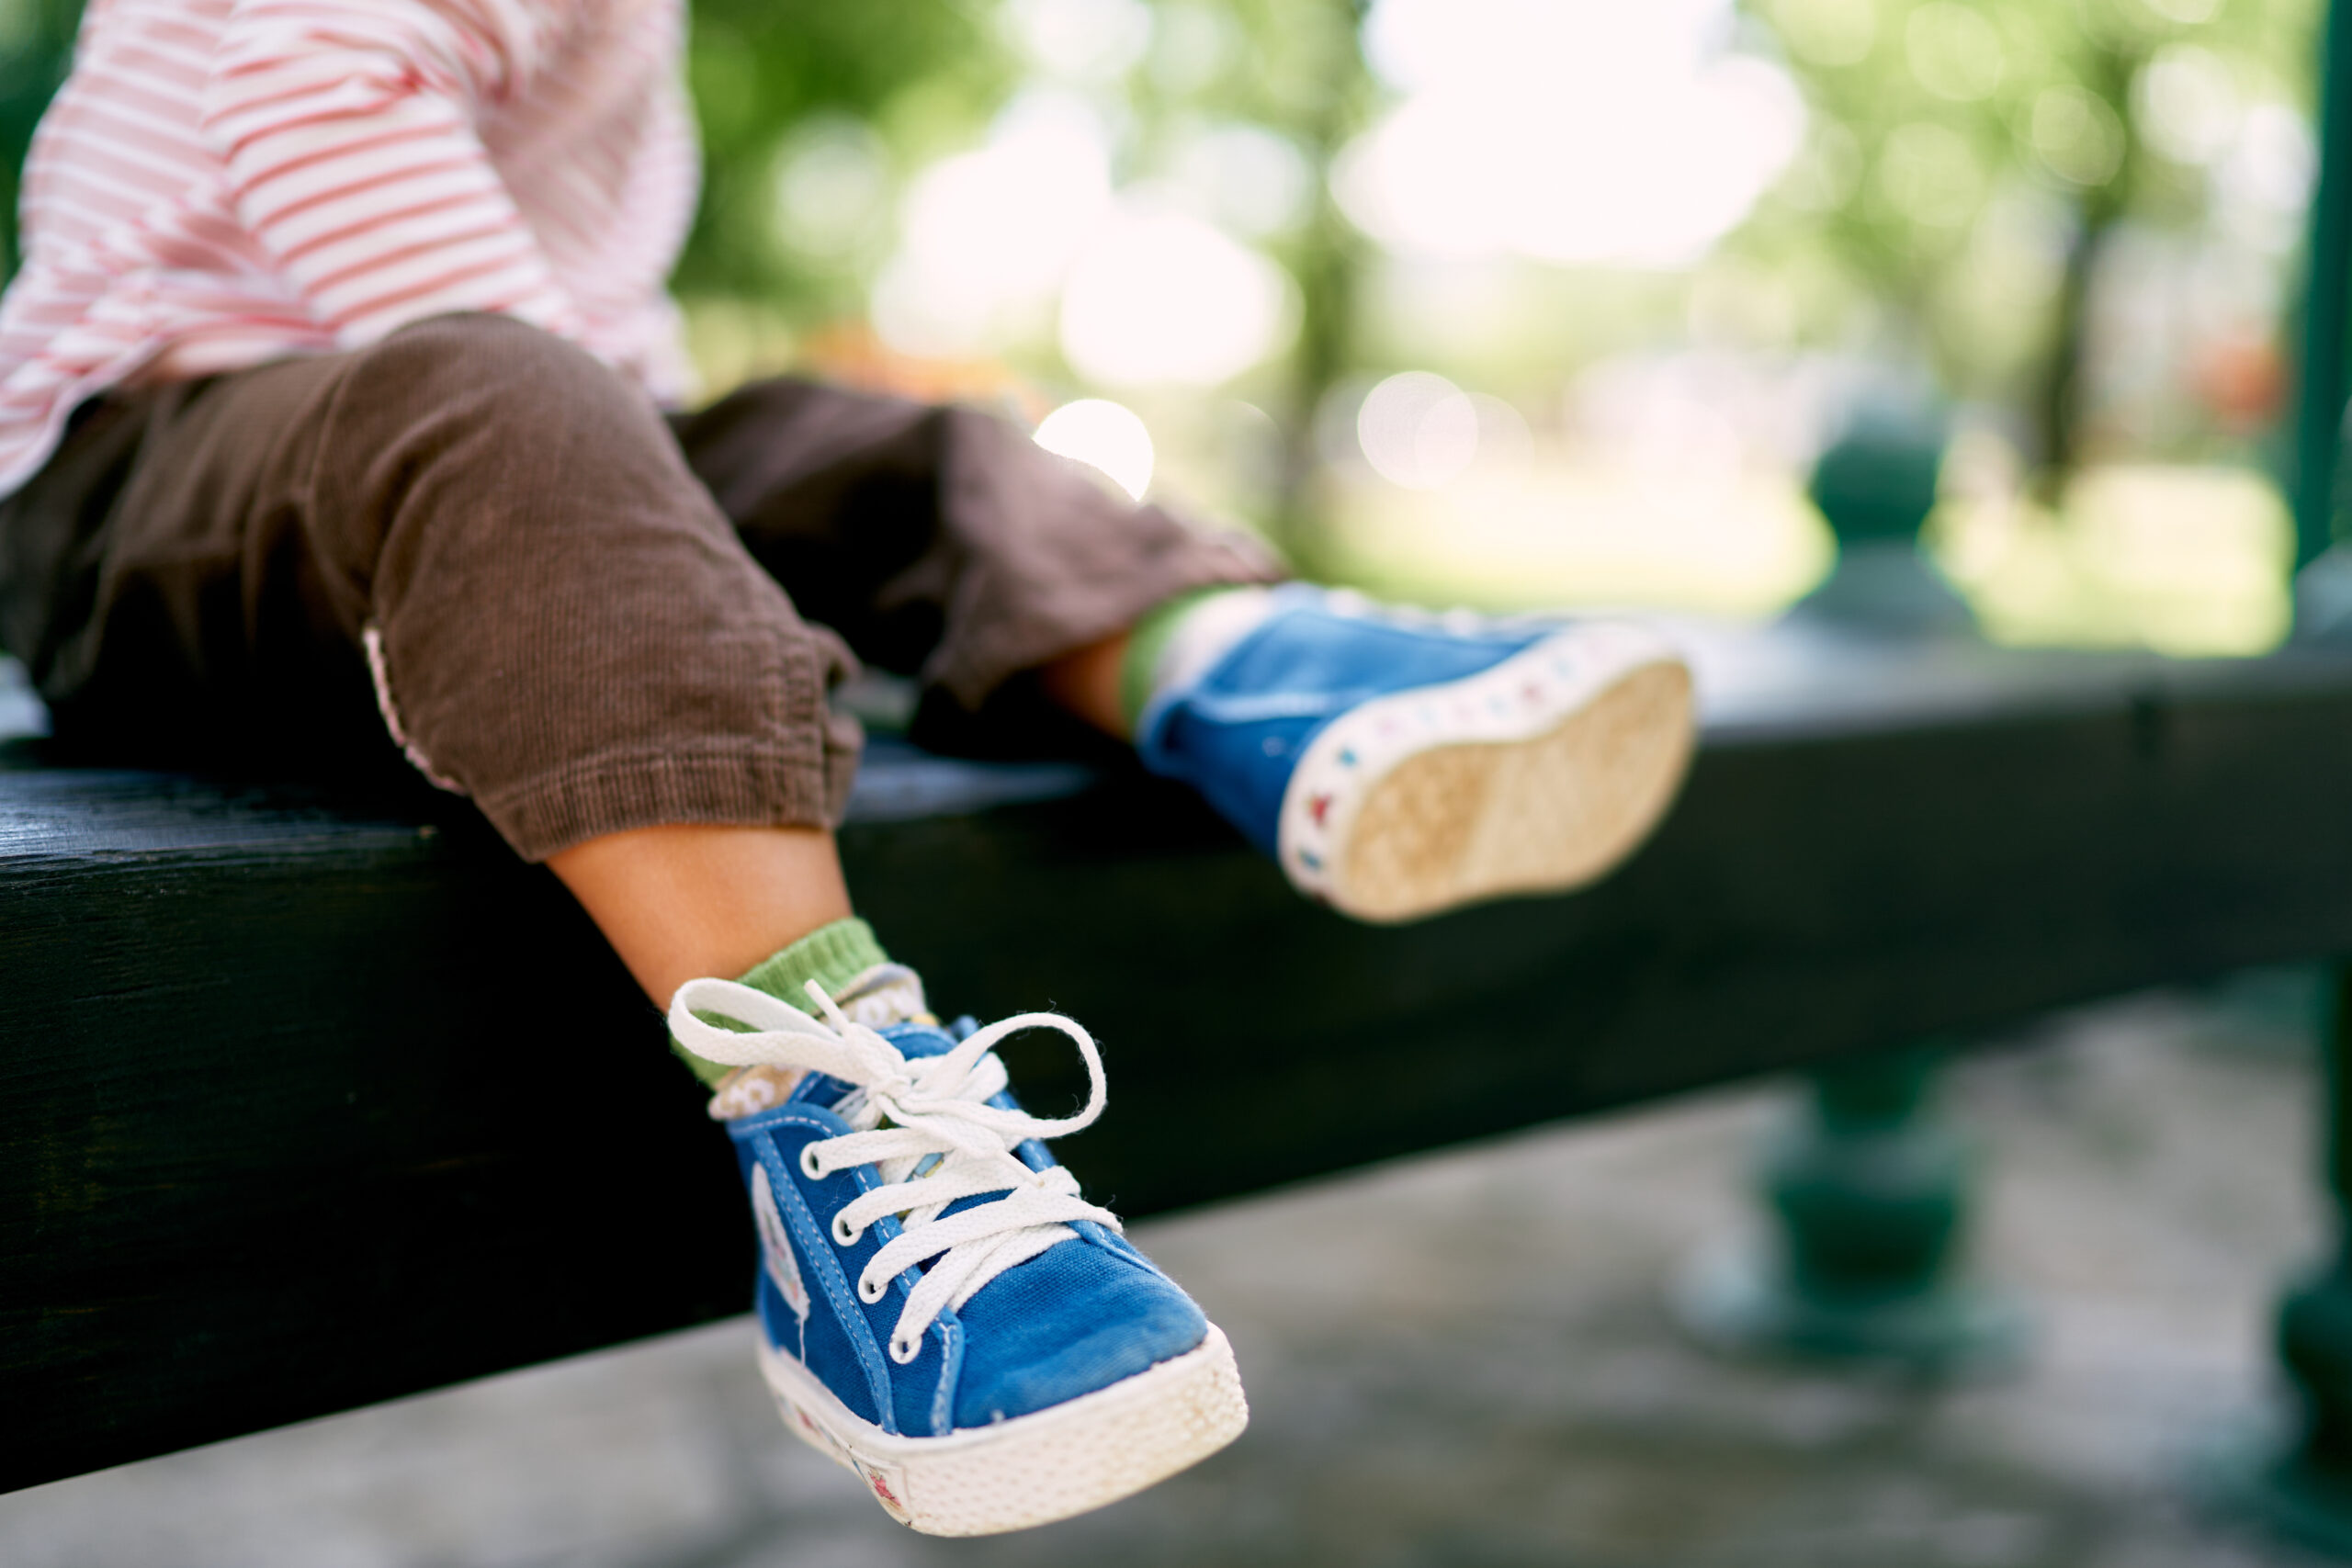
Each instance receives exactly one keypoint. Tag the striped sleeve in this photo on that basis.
(348, 131)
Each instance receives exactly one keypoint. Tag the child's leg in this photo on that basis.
(1091, 683)
(494, 538)
(942, 542)
(1395, 764)
(683, 901)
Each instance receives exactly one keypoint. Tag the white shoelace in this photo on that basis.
(941, 1142)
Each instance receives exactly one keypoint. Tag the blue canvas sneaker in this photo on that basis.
(1398, 763)
(940, 1310)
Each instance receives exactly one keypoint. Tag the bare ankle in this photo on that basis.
(681, 900)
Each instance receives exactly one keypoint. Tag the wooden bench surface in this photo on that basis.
(311, 1104)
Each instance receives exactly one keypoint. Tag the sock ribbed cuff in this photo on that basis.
(832, 955)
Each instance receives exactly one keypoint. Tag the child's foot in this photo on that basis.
(941, 1312)
(1398, 764)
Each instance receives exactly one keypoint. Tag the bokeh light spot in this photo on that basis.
(987, 235)
(1106, 435)
(1828, 32)
(1953, 51)
(833, 188)
(1086, 41)
(1418, 430)
(1161, 298)
(2077, 136)
(1254, 181)
(1929, 173)
(1192, 45)
(2186, 105)
(1497, 146)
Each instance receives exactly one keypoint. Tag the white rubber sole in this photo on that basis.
(1036, 1468)
(1538, 775)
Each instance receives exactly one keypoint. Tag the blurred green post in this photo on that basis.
(1865, 1187)
(2306, 1489)
(1876, 487)
(2327, 296)
(1866, 1191)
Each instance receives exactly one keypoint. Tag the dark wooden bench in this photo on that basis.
(308, 1104)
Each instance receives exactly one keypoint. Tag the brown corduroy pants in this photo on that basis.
(479, 541)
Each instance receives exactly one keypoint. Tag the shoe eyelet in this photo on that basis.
(809, 1166)
(904, 1350)
(845, 1233)
(872, 1291)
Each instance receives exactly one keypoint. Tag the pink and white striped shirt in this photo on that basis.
(225, 182)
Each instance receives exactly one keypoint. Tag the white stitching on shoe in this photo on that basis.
(776, 1251)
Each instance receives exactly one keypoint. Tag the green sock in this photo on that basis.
(832, 955)
(1147, 640)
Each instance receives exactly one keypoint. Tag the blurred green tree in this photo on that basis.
(1294, 68)
(894, 82)
(35, 44)
(1948, 134)
(921, 71)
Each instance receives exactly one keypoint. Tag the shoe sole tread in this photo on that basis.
(1538, 777)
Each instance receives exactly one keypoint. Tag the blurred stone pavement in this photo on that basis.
(1458, 1359)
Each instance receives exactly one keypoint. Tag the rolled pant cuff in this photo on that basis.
(746, 786)
(971, 666)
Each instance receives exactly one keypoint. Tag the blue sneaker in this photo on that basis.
(940, 1311)
(1398, 763)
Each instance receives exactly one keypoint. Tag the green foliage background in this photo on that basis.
(921, 73)
(1884, 83)
(922, 77)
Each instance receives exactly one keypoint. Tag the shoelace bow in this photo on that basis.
(924, 1124)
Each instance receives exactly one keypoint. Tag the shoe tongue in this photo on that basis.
(914, 1040)
(918, 1040)
(887, 998)
(884, 995)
